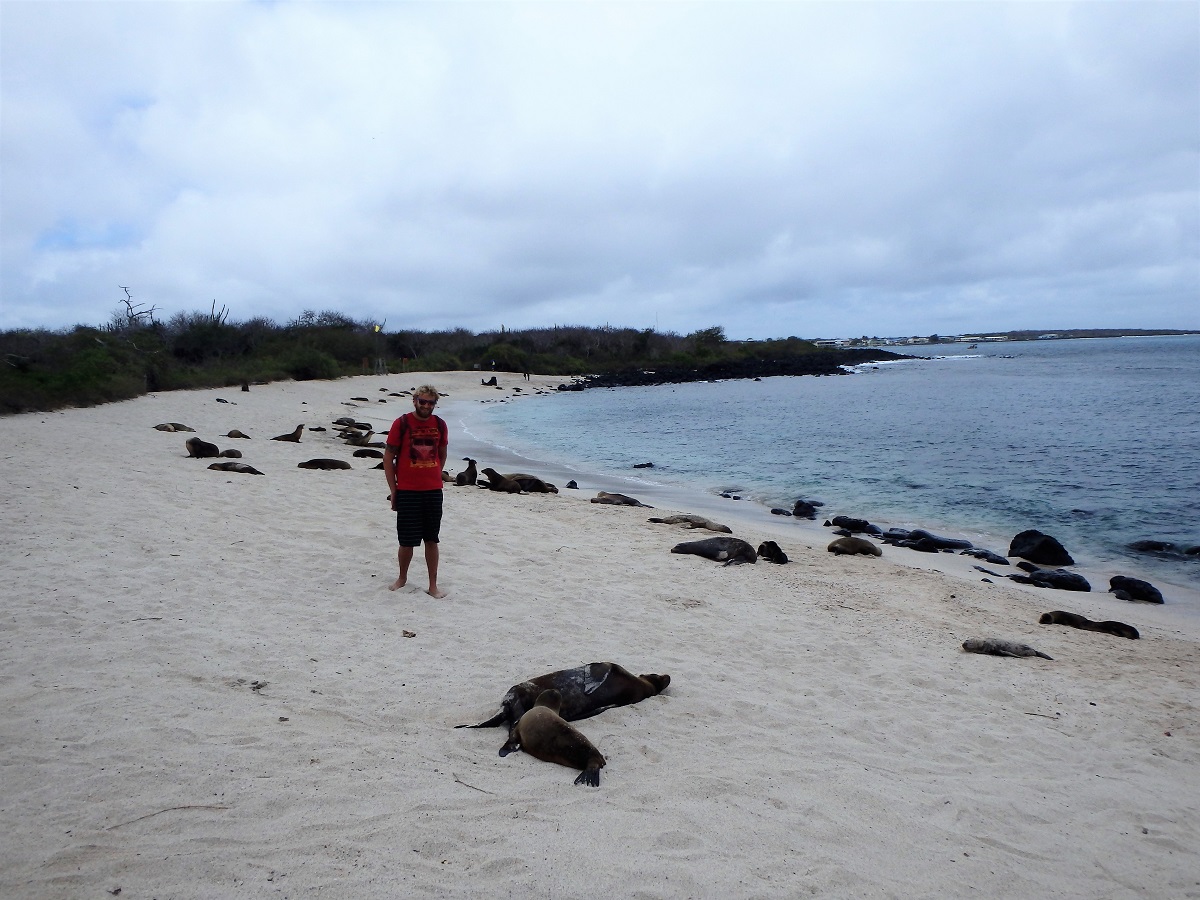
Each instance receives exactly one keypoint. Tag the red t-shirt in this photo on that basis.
(418, 445)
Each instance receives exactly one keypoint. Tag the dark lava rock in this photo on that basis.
(987, 556)
(1135, 589)
(1040, 548)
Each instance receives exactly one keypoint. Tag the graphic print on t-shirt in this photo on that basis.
(423, 446)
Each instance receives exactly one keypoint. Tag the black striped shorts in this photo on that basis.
(418, 516)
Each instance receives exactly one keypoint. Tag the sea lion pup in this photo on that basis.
(198, 449)
(1059, 617)
(851, 545)
(244, 468)
(772, 552)
(531, 484)
(498, 482)
(231, 453)
(326, 464)
(618, 500)
(585, 691)
(173, 426)
(294, 437)
(368, 453)
(997, 647)
(731, 551)
(237, 434)
(467, 476)
(689, 520)
(544, 734)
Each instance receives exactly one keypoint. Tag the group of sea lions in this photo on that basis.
(507, 483)
(538, 713)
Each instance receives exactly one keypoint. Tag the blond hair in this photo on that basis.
(426, 390)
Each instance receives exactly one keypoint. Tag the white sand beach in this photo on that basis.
(209, 691)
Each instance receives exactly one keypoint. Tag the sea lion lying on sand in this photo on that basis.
(502, 483)
(731, 551)
(618, 500)
(241, 467)
(546, 735)
(692, 521)
(531, 484)
(237, 434)
(198, 449)
(1059, 617)
(997, 647)
(852, 545)
(585, 691)
(772, 552)
(172, 426)
(326, 464)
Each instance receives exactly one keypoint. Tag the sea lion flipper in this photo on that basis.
(589, 776)
(498, 719)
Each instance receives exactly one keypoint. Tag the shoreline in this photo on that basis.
(756, 517)
(210, 691)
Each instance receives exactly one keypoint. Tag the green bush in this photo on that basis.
(309, 364)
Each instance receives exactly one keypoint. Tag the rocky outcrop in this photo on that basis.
(1039, 548)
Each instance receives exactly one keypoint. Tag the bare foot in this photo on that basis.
(398, 583)
(435, 593)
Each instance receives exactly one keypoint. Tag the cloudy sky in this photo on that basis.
(811, 169)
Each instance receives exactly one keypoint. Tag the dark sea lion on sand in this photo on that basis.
(1059, 617)
(237, 434)
(198, 449)
(498, 482)
(326, 464)
(467, 476)
(231, 453)
(173, 426)
(294, 437)
(689, 520)
(618, 500)
(852, 545)
(235, 467)
(585, 690)
(731, 551)
(544, 734)
(997, 647)
(772, 552)
(531, 484)
(368, 453)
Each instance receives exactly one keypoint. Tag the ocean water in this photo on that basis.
(1096, 442)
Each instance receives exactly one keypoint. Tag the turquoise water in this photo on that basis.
(1094, 441)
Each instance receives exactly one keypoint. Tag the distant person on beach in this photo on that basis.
(412, 464)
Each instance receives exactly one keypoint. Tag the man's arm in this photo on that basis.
(389, 469)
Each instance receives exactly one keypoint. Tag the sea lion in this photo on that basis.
(467, 476)
(498, 482)
(544, 734)
(368, 453)
(1059, 579)
(997, 647)
(689, 520)
(731, 551)
(1059, 617)
(237, 434)
(772, 552)
(326, 464)
(294, 437)
(235, 467)
(173, 426)
(231, 453)
(585, 690)
(356, 438)
(198, 449)
(531, 484)
(618, 500)
(851, 545)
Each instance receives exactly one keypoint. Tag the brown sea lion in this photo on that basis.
(357, 438)
(730, 551)
(237, 434)
(294, 437)
(231, 453)
(173, 426)
(467, 476)
(368, 453)
(326, 464)
(585, 690)
(544, 734)
(688, 520)
(772, 552)
(198, 449)
(498, 482)
(531, 483)
(618, 500)
(1059, 617)
(851, 545)
(997, 647)
(235, 467)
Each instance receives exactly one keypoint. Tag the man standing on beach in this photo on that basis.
(412, 464)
